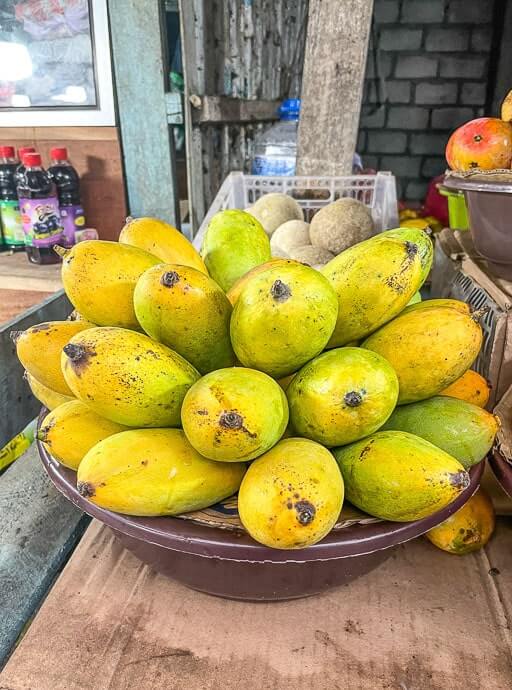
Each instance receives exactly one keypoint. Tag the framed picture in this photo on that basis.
(55, 65)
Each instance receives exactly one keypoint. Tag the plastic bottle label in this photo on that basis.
(73, 219)
(273, 166)
(11, 223)
(42, 223)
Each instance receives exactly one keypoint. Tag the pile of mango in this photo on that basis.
(184, 378)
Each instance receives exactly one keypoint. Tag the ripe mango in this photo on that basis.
(461, 429)
(50, 399)
(151, 472)
(187, 311)
(422, 241)
(72, 429)
(39, 350)
(292, 496)
(342, 395)
(234, 414)
(163, 241)
(374, 280)
(468, 529)
(234, 293)
(234, 243)
(283, 318)
(471, 387)
(127, 377)
(428, 349)
(397, 476)
(100, 277)
(441, 302)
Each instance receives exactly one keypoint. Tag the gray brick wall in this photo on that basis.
(426, 74)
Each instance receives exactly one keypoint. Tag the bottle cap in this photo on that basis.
(59, 153)
(290, 109)
(32, 160)
(25, 149)
(7, 151)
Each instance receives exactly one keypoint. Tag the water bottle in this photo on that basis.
(67, 182)
(275, 150)
(10, 217)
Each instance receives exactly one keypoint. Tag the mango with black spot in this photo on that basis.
(152, 472)
(127, 377)
(283, 318)
(39, 349)
(374, 280)
(429, 348)
(342, 395)
(234, 414)
(292, 496)
(99, 278)
(467, 530)
(72, 429)
(187, 311)
(397, 476)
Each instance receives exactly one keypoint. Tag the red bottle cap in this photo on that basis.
(32, 160)
(59, 153)
(25, 149)
(7, 151)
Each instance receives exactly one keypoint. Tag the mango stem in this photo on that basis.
(479, 313)
(61, 251)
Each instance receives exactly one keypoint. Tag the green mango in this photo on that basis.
(421, 240)
(283, 318)
(415, 299)
(186, 310)
(463, 430)
(234, 243)
(397, 476)
(342, 395)
(374, 280)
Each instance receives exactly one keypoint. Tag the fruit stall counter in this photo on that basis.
(23, 284)
(424, 619)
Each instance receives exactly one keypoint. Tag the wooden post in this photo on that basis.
(332, 85)
(138, 53)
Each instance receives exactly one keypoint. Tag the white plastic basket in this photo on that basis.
(378, 192)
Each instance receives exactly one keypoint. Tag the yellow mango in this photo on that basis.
(127, 377)
(283, 318)
(152, 472)
(187, 311)
(467, 530)
(234, 292)
(397, 476)
(506, 108)
(50, 399)
(342, 395)
(99, 278)
(163, 241)
(72, 429)
(470, 387)
(428, 349)
(292, 496)
(374, 280)
(440, 302)
(234, 414)
(39, 349)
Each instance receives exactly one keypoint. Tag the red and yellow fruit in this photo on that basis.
(484, 143)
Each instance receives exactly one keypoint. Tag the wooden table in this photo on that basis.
(23, 284)
(424, 620)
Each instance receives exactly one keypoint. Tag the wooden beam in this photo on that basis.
(224, 110)
(141, 81)
(332, 85)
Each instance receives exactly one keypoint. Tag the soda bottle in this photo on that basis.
(40, 213)
(67, 182)
(20, 170)
(10, 217)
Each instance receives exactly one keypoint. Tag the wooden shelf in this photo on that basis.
(17, 273)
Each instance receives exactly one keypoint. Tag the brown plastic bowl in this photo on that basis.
(489, 204)
(232, 565)
(502, 470)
